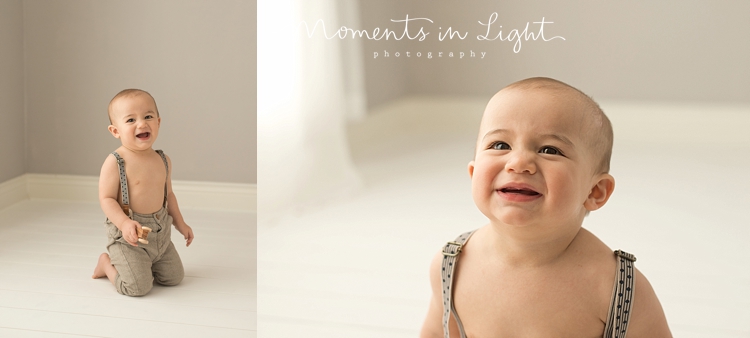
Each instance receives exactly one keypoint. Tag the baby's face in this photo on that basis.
(533, 164)
(135, 121)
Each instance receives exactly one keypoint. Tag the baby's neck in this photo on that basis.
(137, 151)
(525, 247)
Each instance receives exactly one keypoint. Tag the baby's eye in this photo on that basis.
(499, 146)
(130, 120)
(550, 151)
(149, 117)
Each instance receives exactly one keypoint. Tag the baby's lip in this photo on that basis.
(519, 188)
(144, 134)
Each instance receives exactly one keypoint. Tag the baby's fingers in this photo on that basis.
(189, 237)
(132, 241)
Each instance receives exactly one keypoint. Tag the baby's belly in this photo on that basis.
(146, 201)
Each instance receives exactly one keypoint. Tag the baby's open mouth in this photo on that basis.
(143, 135)
(519, 191)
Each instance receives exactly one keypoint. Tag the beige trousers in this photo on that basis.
(139, 266)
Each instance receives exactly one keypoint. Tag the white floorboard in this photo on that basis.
(48, 250)
(359, 267)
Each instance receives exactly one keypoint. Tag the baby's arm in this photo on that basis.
(433, 324)
(648, 317)
(174, 210)
(109, 187)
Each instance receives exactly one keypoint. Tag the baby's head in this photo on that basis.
(134, 119)
(543, 150)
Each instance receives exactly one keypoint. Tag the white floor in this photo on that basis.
(359, 267)
(48, 250)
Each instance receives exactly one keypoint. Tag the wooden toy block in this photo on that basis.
(143, 234)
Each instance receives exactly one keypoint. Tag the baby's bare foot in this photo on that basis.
(99, 271)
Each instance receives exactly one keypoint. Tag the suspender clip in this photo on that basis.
(453, 252)
(625, 255)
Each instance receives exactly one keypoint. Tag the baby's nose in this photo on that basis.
(521, 162)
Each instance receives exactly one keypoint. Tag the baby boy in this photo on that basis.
(135, 191)
(540, 166)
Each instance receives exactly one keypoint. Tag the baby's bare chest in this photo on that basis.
(557, 303)
(146, 174)
(146, 179)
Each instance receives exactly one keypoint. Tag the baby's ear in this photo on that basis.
(600, 192)
(471, 169)
(113, 130)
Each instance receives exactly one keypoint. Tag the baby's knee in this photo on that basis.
(136, 288)
(171, 281)
(138, 292)
(172, 277)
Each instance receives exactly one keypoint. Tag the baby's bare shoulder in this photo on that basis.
(589, 249)
(593, 260)
(110, 160)
(109, 169)
(648, 319)
(109, 178)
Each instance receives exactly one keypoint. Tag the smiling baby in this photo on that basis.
(540, 166)
(135, 192)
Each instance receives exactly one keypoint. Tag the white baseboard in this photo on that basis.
(13, 191)
(216, 195)
(63, 187)
(190, 194)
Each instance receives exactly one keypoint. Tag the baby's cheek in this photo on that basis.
(481, 190)
(486, 177)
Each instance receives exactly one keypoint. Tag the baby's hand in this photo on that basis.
(130, 230)
(186, 231)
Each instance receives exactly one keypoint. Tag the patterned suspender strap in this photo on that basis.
(622, 296)
(451, 250)
(166, 165)
(123, 186)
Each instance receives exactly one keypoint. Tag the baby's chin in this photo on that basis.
(519, 217)
(514, 218)
(535, 219)
(515, 222)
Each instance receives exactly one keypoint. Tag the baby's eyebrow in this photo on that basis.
(495, 131)
(133, 115)
(560, 138)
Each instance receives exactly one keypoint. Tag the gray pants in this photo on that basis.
(139, 266)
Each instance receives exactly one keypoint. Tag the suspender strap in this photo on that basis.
(622, 296)
(451, 250)
(123, 186)
(166, 165)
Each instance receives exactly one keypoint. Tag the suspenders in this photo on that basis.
(622, 296)
(622, 293)
(450, 259)
(124, 183)
(123, 186)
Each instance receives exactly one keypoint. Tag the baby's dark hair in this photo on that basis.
(126, 93)
(597, 126)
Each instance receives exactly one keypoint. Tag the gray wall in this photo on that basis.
(11, 90)
(642, 50)
(197, 58)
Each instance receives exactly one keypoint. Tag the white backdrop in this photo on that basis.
(304, 98)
